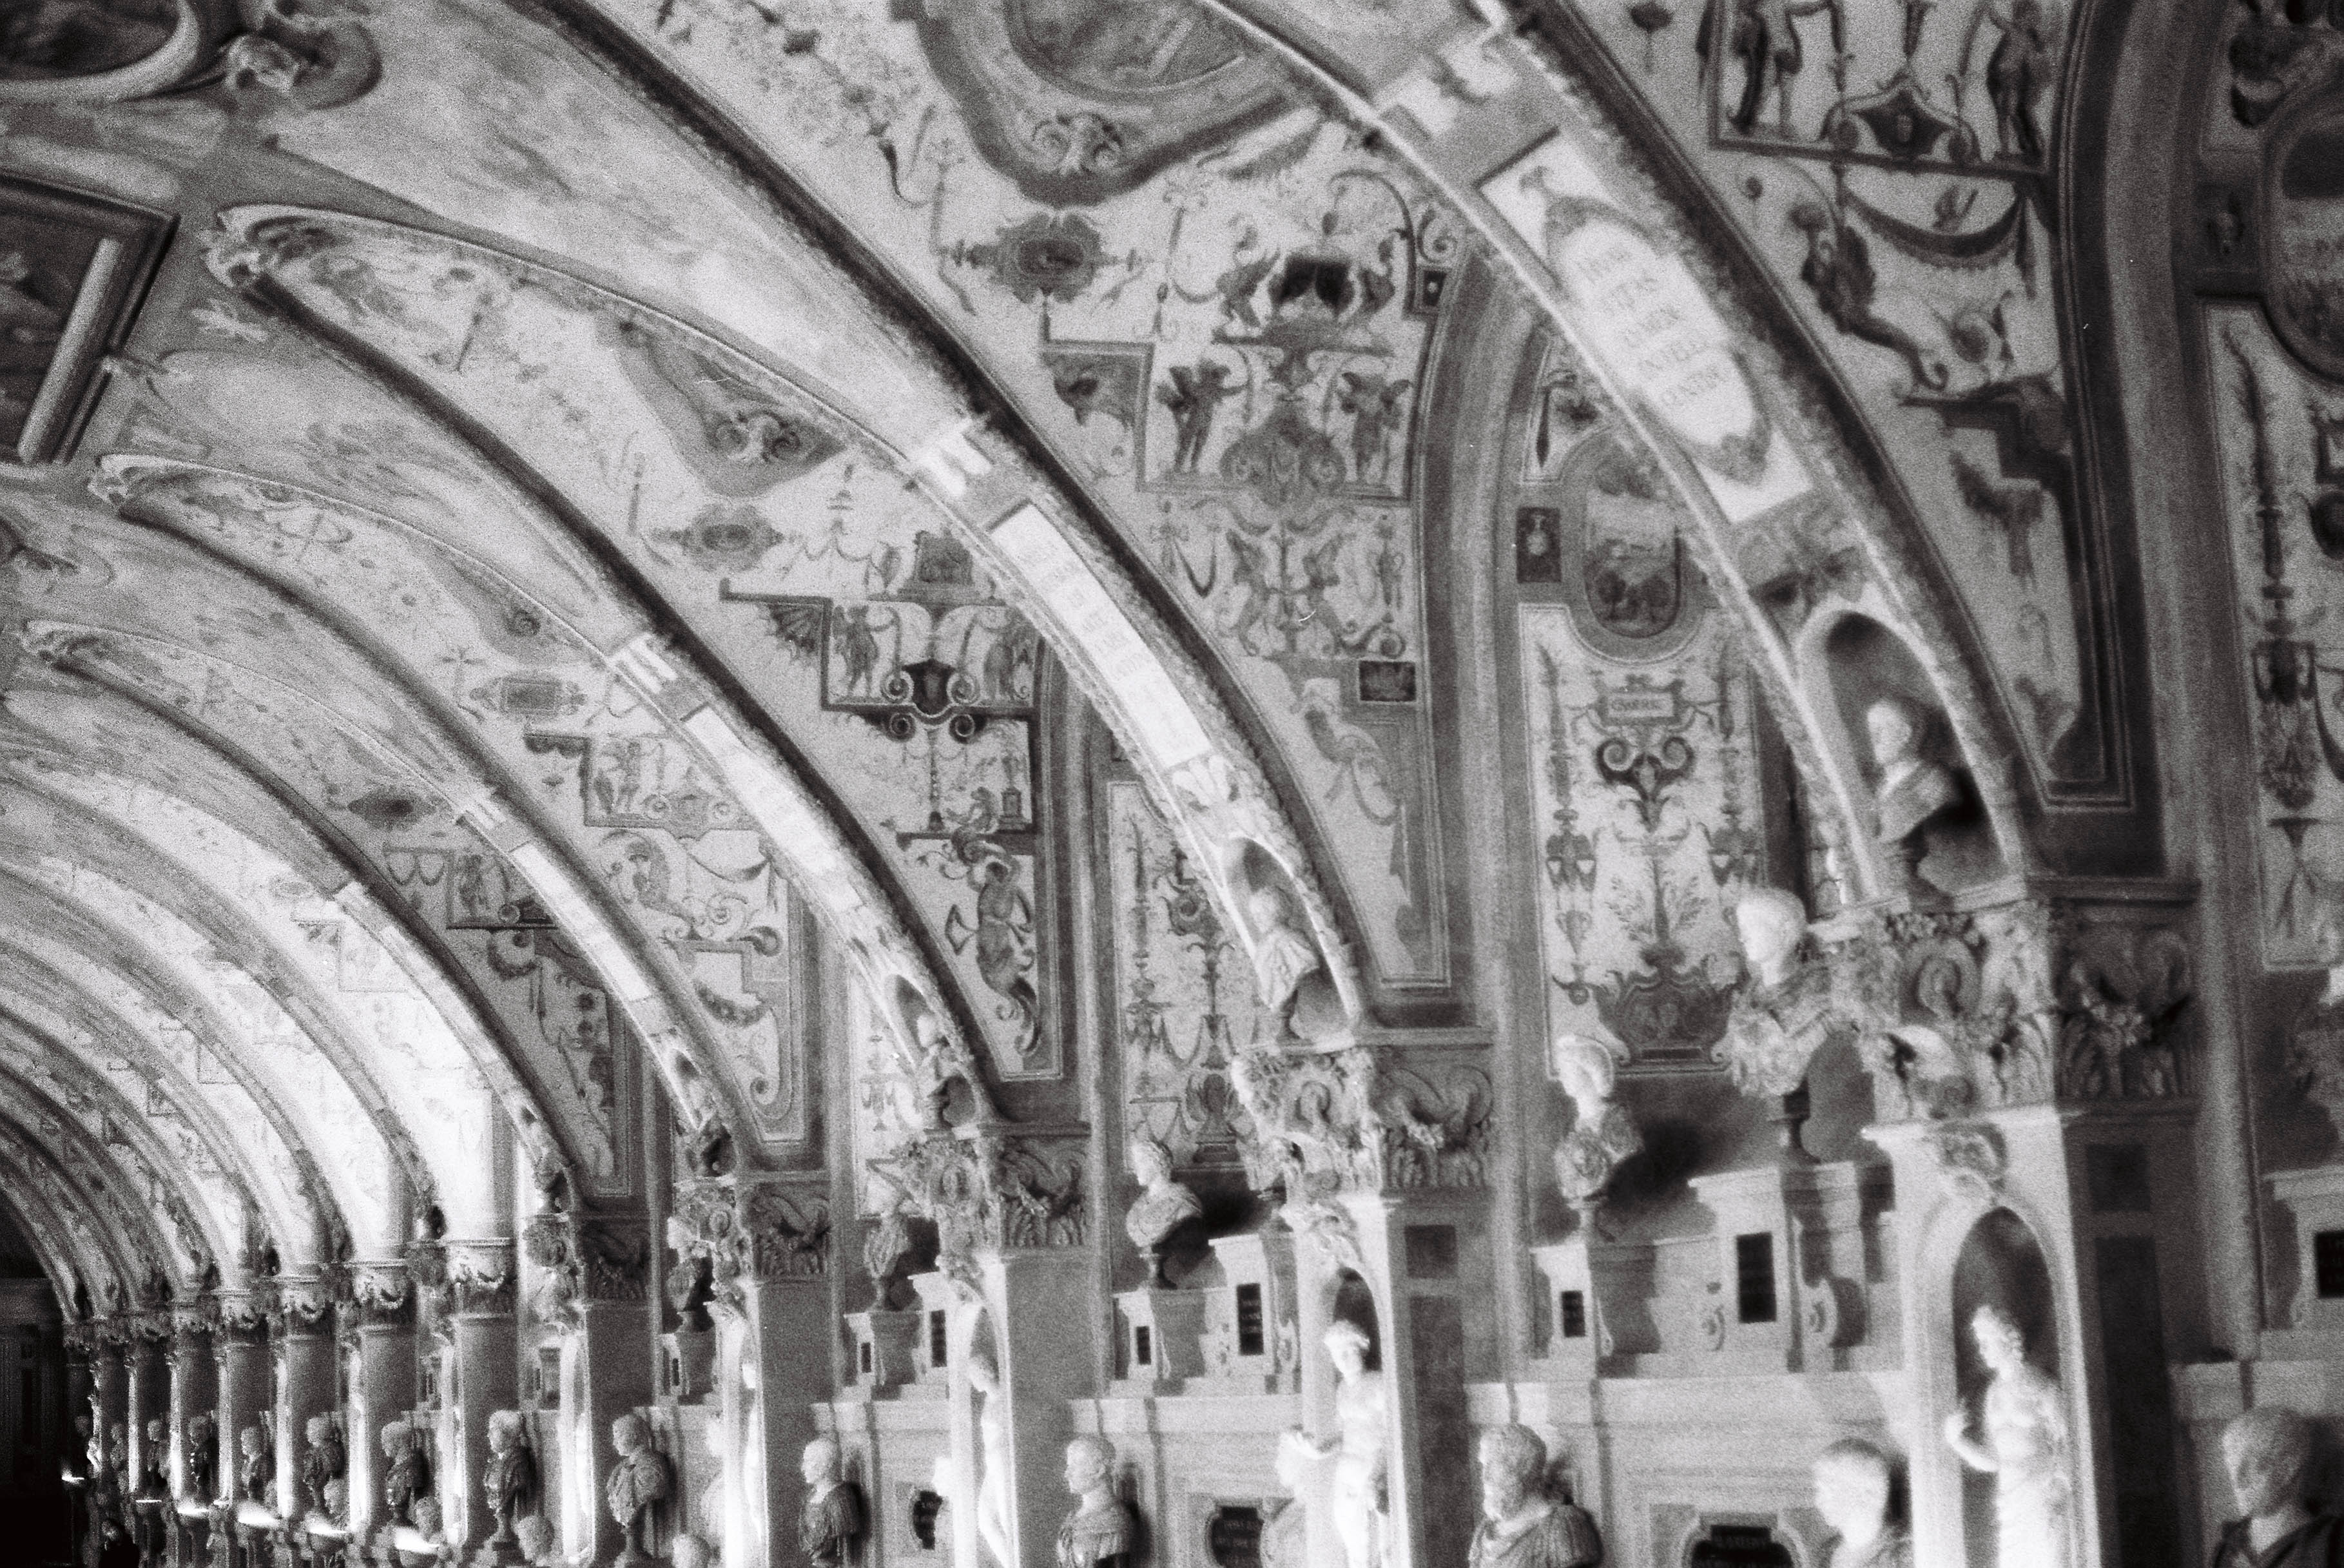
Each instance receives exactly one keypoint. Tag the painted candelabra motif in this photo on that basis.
(1186, 999)
(2282, 439)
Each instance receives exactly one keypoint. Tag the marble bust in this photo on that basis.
(1855, 1486)
(1162, 1206)
(1283, 956)
(1602, 1134)
(1784, 1011)
(1913, 790)
(256, 1478)
(535, 1536)
(321, 1461)
(1522, 1525)
(203, 1460)
(1286, 1533)
(2026, 1449)
(2268, 1455)
(831, 1522)
(638, 1481)
(1100, 1529)
(509, 1481)
(409, 1479)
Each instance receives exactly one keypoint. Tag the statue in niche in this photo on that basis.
(831, 1522)
(407, 1481)
(255, 1479)
(118, 1463)
(336, 1501)
(2268, 1453)
(154, 1480)
(1853, 1487)
(510, 1479)
(2026, 1448)
(1523, 1525)
(82, 1456)
(995, 1442)
(1283, 956)
(321, 1462)
(1286, 1533)
(203, 1458)
(1784, 1013)
(1102, 1528)
(535, 1536)
(1601, 1135)
(709, 1521)
(1163, 1206)
(1359, 1494)
(1913, 790)
(639, 1482)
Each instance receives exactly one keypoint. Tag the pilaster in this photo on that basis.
(378, 1329)
(479, 1301)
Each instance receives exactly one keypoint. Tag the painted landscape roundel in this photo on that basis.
(2304, 239)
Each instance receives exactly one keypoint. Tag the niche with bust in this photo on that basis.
(1933, 834)
(1296, 985)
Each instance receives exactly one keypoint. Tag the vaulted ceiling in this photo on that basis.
(604, 508)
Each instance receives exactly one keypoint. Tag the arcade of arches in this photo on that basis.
(1210, 751)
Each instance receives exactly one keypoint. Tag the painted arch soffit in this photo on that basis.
(160, 1050)
(679, 472)
(1082, 316)
(420, 911)
(183, 1183)
(182, 1177)
(216, 961)
(81, 1265)
(406, 1060)
(131, 1199)
(190, 633)
(133, 1252)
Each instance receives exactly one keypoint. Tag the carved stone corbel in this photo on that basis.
(303, 1304)
(988, 1190)
(382, 1295)
(243, 1315)
(580, 1261)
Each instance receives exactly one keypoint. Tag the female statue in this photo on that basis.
(992, 1486)
(1358, 1492)
(2024, 1422)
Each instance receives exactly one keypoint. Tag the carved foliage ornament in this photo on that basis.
(989, 1192)
(2021, 1004)
(750, 1230)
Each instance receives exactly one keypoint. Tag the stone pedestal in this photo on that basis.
(1789, 1291)
(2315, 1319)
(1576, 1342)
(1249, 1332)
(884, 1351)
(1163, 1336)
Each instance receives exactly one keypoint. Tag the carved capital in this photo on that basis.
(383, 1294)
(2044, 997)
(243, 1315)
(1316, 1130)
(479, 1278)
(988, 1192)
(303, 1304)
(573, 1261)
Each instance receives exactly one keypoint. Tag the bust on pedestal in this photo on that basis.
(832, 1522)
(510, 1480)
(1913, 790)
(1853, 1487)
(2267, 1452)
(1522, 1525)
(639, 1482)
(409, 1479)
(1101, 1529)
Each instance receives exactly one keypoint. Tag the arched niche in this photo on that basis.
(1999, 1265)
(1853, 664)
(1278, 932)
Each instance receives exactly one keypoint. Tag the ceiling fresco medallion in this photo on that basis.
(1077, 100)
(2303, 234)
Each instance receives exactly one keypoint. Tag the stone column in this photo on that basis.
(481, 1298)
(194, 1381)
(379, 1332)
(767, 1240)
(302, 1335)
(149, 1369)
(240, 1385)
(595, 1291)
(81, 1350)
